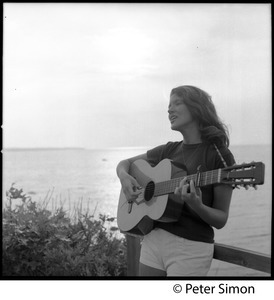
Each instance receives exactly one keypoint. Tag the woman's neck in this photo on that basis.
(192, 136)
(192, 140)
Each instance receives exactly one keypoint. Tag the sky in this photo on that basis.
(99, 75)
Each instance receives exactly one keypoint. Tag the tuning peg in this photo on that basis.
(247, 187)
(254, 186)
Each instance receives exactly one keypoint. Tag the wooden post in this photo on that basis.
(133, 255)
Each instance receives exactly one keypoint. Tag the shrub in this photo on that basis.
(38, 242)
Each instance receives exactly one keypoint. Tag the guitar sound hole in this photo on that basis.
(149, 191)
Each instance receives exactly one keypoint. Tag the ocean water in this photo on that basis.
(74, 177)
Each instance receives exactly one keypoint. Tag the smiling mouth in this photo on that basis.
(172, 119)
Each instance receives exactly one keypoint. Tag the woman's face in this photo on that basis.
(178, 113)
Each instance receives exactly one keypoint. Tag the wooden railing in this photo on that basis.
(241, 257)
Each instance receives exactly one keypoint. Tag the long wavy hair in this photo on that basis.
(203, 111)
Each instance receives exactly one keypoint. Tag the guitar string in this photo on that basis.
(161, 187)
(215, 176)
(173, 183)
(205, 177)
(170, 185)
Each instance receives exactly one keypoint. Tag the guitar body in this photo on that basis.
(137, 217)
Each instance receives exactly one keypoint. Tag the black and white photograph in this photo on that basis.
(137, 143)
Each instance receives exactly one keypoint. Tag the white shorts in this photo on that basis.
(175, 255)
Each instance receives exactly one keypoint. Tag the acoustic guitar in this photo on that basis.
(157, 201)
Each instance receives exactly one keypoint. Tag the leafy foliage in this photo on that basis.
(38, 242)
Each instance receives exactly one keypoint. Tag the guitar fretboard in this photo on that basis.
(200, 179)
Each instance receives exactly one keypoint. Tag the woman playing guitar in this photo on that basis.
(185, 247)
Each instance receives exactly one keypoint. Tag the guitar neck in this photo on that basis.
(200, 180)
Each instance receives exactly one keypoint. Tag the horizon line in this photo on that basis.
(110, 148)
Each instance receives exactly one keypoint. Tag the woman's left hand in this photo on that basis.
(189, 194)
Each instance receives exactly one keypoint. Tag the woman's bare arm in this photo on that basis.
(129, 184)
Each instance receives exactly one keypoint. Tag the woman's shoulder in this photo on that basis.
(174, 144)
(171, 147)
(158, 153)
(167, 146)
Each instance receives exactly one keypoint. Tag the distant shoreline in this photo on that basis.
(107, 148)
(14, 149)
(43, 149)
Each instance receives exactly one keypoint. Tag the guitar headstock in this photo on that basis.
(250, 174)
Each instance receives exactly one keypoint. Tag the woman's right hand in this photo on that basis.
(130, 187)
